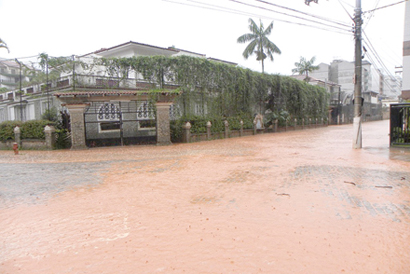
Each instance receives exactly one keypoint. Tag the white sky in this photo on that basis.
(63, 28)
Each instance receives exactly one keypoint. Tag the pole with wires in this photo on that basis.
(358, 100)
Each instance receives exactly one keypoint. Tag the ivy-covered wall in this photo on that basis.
(223, 90)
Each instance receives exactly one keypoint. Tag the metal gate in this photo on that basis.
(400, 125)
(118, 123)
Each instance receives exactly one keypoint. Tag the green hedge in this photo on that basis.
(198, 124)
(33, 129)
(7, 130)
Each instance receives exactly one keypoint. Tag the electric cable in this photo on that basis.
(305, 13)
(385, 6)
(232, 11)
(283, 13)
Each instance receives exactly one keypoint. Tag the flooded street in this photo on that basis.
(291, 202)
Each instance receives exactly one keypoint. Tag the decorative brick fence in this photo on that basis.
(38, 144)
(258, 128)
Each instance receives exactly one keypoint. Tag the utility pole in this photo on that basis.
(358, 100)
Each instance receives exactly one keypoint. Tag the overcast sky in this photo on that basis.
(63, 28)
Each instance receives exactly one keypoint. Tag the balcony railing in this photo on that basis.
(88, 82)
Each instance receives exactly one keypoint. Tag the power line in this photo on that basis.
(371, 14)
(283, 13)
(305, 13)
(233, 11)
(379, 61)
(13, 59)
(373, 50)
(351, 18)
(385, 6)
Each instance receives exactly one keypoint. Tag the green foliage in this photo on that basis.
(259, 44)
(63, 138)
(198, 124)
(3, 90)
(305, 66)
(224, 90)
(282, 116)
(50, 115)
(7, 130)
(34, 129)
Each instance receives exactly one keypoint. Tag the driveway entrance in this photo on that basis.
(116, 123)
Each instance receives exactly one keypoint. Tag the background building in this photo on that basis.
(10, 74)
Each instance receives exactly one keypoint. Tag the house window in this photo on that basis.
(20, 113)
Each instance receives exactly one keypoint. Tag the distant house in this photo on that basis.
(10, 74)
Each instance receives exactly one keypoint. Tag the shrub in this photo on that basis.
(7, 130)
(34, 129)
(63, 138)
(198, 124)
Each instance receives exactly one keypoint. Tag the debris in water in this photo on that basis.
(283, 194)
(346, 182)
(384, 186)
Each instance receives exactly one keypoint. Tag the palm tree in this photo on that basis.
(3, 45)
(259, 42)
(304, 67)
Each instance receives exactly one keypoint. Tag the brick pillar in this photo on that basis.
(296, 123)
(77, 125)
(163, 129)
(241, 129)
(276, 125)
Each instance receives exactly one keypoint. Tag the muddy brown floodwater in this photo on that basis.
(291, 202)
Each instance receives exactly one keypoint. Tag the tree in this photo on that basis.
(259, 44)
(4, 45)
(304, 66)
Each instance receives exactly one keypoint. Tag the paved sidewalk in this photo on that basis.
(291, 202)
